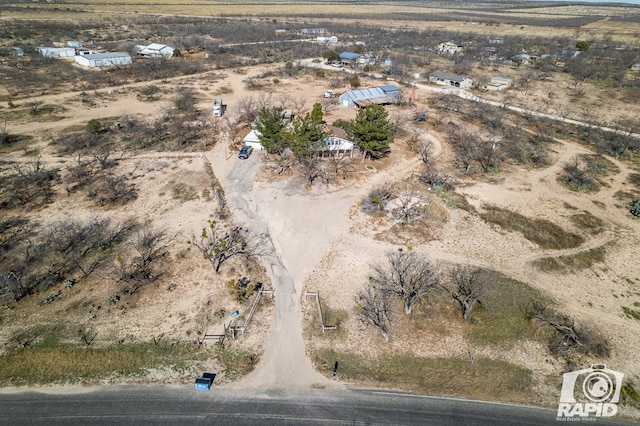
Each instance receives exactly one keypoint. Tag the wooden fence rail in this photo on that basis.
(322, 324)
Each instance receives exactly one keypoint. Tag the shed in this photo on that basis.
(56, 52)
(109, 59)
(448, 79)
(253, 140)
(369, 96)
(499, 83)
(75, 44)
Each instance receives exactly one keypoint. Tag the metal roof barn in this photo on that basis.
(56, 52)
(109, 59)
(382, 95)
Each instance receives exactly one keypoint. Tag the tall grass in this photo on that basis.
(546, 234)
(61, 364)
(483, 379)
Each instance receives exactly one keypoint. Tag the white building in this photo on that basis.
(109, 59)
(335, 145)
(448, 79)
(56, 52)
(253, 139)
(155, 50)
(499, 83)
(450, 48)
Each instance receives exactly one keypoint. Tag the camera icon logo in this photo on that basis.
(589, 392)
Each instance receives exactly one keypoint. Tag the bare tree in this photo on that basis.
(146, 246)
(406, 276)
(75, 245)
(569, 335)
(220, 243)
(374, 308)
(340, 165)
(426, 151)
(466, 287)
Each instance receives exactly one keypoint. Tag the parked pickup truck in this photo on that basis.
(329, 94)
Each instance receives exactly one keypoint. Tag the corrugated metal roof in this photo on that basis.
(447, 76)
(349, 55)
(373, 101)
(368, 96)
(107, 55)
(389, 88)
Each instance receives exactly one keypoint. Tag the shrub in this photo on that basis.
(634, 207)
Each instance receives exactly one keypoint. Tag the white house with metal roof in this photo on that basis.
(448, 79)
(109, 59)
(155, 50)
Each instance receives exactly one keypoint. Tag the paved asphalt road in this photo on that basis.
(116, 405)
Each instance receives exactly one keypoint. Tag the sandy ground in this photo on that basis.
(323, 242)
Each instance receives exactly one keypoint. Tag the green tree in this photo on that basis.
(354, 81)
(273, 136)
(94, 126)
(372, 131)
(582, 45)
(317, 117)
(307, 135)
(331, 55)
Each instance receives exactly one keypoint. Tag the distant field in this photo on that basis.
(531, 19)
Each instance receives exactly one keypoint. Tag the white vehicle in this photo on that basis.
(329, 94)
(217, 107)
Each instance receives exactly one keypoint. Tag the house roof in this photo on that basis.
(349, 55)
(157, 46)
(447, 76)
(252, 136)
(106, 55)
(334, 143)
(503, 80)
(54, 49)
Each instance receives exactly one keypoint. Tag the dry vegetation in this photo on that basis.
(538, 206)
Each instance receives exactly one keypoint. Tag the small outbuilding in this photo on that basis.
(56, 52)
(109, 59)
(448, 79)
(499, 83)
(75, 44)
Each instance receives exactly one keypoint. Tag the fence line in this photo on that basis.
(232, 330)
(322, 324)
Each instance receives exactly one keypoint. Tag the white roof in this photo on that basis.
(334, 143)
(107, 55)
(156, 46)
(252, 136)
